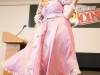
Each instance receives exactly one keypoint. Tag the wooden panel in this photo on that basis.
(11, 49)
(10, 38)
(6, 73)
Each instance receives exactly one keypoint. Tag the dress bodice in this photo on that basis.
(54, 6)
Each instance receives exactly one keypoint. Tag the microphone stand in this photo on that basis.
(21, 30)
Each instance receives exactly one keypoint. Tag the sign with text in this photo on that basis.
(86, 16)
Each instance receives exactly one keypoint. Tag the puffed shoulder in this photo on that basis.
(64, 2)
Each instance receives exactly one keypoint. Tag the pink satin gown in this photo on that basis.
(51, 50)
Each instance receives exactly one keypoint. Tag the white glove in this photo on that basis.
(37, 18)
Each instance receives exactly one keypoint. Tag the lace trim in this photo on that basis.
(72, 72)
(6, 69)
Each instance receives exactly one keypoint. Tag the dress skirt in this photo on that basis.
(51, 51)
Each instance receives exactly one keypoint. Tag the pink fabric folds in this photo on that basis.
(50, 51)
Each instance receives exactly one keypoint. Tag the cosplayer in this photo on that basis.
(51, 50)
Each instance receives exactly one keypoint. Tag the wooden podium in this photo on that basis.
(13, 45)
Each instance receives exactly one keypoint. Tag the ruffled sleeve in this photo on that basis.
(37, 18)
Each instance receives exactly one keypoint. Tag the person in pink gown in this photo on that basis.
(51, 50)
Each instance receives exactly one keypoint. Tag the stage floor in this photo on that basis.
(83, 72)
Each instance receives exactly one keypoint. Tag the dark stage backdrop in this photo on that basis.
(32, 13)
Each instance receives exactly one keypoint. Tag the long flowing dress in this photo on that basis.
(51, 50)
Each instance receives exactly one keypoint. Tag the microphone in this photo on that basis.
(21, 30)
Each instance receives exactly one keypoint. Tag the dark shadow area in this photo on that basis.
(32, 13)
